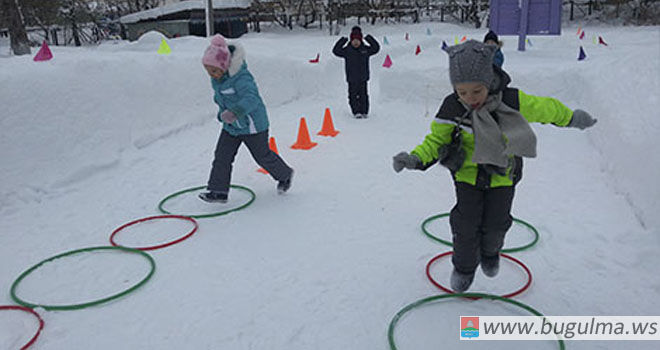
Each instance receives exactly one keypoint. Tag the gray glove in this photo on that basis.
(405, 160)
(581, 120)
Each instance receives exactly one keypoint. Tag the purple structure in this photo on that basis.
(525, 17)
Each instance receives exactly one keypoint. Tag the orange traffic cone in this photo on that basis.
(303, 142)
(328, 128)
(273, 147)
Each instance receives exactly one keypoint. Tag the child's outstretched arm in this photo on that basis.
(550, 110)
(544, 110)
(425, 155)
(339, 50)
(440, 135)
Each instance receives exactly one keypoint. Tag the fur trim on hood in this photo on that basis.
(237, 58)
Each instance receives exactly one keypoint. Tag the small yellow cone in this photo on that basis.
(164, 49)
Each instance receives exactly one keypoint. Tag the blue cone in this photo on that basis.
(582, 55)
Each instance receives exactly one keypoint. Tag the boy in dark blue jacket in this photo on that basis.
(356, 56)
(492, 39)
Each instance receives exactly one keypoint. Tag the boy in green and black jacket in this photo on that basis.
(481, 133)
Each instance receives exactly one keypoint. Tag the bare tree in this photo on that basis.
(42, 14)
(20, 44)
(74, 12)
(644, 11)
(124, 7)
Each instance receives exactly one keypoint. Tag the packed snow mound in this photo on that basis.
(149, 41)
(151, 37)
(159, 90)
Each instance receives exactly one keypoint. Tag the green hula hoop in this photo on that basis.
(507, 250)
(418, 303)
(91, 303)
(201, 216)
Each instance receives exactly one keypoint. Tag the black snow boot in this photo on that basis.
(284, 186)
(213, 197)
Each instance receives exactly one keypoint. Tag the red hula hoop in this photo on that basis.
(445, 289)
(30, 311)
(167, 244)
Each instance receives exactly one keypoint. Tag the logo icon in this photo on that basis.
(469, 327)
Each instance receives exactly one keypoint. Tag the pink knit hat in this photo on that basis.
(217, 54)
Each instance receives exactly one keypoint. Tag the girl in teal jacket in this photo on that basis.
(244, 118)
(481, 133)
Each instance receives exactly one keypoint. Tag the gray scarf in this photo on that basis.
(495, 141)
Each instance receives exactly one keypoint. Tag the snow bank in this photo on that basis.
(97, 136)
(66, 111)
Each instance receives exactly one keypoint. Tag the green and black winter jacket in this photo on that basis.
(535, 109)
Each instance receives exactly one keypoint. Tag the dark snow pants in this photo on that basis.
(225, 152)
(479, 221)
(358, 97)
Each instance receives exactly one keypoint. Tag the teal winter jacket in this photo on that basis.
(237, 91)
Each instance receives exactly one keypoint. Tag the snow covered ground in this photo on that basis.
(96, 137)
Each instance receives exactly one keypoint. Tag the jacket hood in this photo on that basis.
(501, 81)
(237, 58)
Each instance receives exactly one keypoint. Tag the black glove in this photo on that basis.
(452, 155)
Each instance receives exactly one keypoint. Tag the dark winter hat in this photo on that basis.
(356, 33)
(471, 61)
(491, 36)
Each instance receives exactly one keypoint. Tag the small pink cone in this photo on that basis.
(44, 53)
(388, 62)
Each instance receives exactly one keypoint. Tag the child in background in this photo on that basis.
(492, 39)
(244, 119)
(357, 68)
(481, 133)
